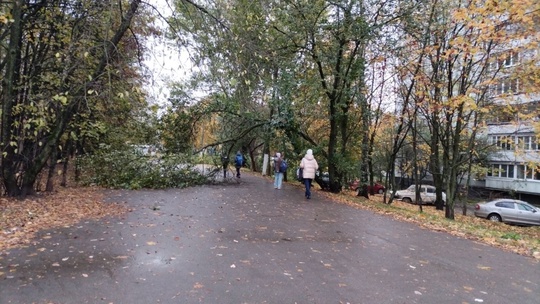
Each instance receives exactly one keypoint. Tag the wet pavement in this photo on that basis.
(247, 242)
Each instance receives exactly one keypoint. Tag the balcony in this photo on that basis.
(517, 185)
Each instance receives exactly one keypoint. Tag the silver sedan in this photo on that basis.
(508, 211)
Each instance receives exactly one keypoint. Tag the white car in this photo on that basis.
(427, 194)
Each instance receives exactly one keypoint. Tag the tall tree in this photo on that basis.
(452, 90)
(303, 62)
(61, 56)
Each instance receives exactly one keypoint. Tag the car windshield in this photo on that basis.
(411, 188)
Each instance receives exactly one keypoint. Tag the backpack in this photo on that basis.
(300, 174)
(239, 160)
(283, 166)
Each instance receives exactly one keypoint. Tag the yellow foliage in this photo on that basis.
(5, 19)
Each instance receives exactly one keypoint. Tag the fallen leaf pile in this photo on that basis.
(20, 220)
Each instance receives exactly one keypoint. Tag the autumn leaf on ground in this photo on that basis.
(468, 288)
(522, 240)
(483, 267)
(121, 257)
(21, 220)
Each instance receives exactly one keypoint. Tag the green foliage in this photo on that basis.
(511, 236)
(176, 131)
(129, 169)
(71, 78)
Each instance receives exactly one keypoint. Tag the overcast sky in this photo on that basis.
(164, 61)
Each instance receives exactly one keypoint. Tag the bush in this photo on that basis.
(132, 170)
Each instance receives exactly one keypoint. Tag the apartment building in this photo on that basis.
(515, 166)
(513, 129)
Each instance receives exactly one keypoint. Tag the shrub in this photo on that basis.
(130, 169)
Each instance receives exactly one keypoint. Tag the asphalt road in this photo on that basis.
(250, 243)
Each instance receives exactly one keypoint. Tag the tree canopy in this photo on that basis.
(68, 76)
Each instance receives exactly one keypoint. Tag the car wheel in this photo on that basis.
(407, 200)
(494, 217)
(381, 191)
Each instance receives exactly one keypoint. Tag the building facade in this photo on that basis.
(513, 127)
(515, 165)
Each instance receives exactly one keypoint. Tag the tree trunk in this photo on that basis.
(65, 167)
(436, 165)
(66, 155)
(51, 172)
(10, 95)
(332, 147)
(417, 182)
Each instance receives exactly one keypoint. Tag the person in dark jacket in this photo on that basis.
(238, 163)
(278, 175)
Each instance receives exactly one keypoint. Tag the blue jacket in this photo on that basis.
(238, 160)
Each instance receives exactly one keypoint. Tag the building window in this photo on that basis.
(528, 172)
(528, 143)
(535, 173)
(524, 142)
(507, 143)
(508, 59)
(504, 171)
(520, 172)
(495, 140)
(503, 142)
(509, 171)
(506, 86)
(511, 59)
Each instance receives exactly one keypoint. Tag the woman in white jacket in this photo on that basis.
(309, 167)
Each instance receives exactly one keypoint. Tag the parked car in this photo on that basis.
(377, 187)
(508, 211)
(427, 194)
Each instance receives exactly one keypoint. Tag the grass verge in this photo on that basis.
(521, 240)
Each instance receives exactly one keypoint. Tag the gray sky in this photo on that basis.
(164, 61)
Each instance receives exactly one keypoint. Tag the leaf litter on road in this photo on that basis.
(21, 220)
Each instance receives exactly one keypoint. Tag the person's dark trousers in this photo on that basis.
(237, 171)
(307, 183)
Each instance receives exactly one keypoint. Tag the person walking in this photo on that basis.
(309, 166)
(238, 162)
(278, 175)
(284, 171)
